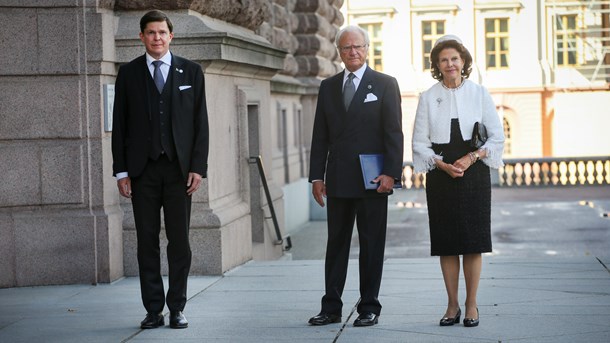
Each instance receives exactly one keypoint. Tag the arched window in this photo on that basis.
(507, 137)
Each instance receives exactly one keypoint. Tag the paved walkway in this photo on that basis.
(525, 296)
(520, 300)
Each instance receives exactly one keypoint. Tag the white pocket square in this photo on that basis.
(370, 97)
(183, 87)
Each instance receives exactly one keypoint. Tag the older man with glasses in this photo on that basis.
(358, 112)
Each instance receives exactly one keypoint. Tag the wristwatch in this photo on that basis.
(476, 155)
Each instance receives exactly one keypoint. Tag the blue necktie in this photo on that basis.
(158, 77)
(349, 89)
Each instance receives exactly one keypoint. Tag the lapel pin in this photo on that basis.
(369, 87)
(179, 70)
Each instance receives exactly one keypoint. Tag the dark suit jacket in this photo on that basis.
(339, 136)
(131, 127)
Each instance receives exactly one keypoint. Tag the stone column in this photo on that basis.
(319, 21)
(238, 66)
(317, 57)
(59, 222)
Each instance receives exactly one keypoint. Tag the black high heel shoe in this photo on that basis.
(472, 322)
(450, 321)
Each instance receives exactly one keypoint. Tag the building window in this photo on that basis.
(496, 42)
(283, 139)
(375, 53)
(431, 31)
(566, 40)
(281, 119)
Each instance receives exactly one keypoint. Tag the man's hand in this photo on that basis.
(193, 183)
(124, 185)
(318, 189)
(386, 183)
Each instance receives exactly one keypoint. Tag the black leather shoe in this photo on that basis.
(177, 320)
(472, 322)
(152, 321)
(324, 318)
(366, 319)
(446, 321)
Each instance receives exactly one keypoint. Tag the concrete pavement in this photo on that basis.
(525, 295)
(520, 300)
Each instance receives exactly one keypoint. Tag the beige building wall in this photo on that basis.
(532, 95)
(579, 125)
(522, 111)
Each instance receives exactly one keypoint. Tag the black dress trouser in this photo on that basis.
(370, 215)
(161, 185)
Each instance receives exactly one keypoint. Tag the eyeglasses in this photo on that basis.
(350, 47)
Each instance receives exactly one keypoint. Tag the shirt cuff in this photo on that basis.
(121, 175)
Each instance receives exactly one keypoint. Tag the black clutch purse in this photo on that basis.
(479, 136)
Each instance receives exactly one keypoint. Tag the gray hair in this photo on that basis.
(354, 29)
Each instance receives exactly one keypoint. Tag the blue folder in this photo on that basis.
(372, 166)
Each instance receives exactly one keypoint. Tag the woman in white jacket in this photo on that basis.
(458, 185)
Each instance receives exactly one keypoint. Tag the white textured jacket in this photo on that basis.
(433, 123)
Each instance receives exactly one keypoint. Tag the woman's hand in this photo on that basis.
(469, 159)
(450, 169)
(464, 162)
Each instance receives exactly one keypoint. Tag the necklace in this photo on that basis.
(453, 89)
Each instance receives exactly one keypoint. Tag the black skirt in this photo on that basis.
(459, 210)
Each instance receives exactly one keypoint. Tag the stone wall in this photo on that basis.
(58, 221)
(61, 219)
(304, 28)
(318, 22)
(246, 13)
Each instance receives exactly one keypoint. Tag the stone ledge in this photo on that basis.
(290, 85)
(249, 13)
(201, 38)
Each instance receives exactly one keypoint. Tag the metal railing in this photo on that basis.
(261, 171)
(536, 172)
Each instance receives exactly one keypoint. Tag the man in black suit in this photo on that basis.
(358, 112)
(160, 149)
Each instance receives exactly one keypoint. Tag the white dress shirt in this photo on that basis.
(167, 62)
(357, 76)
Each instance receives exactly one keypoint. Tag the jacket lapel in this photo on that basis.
(143, 87)
(177, 73)
(335, 87)
(365, 87)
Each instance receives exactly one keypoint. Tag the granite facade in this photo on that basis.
(61, 218)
